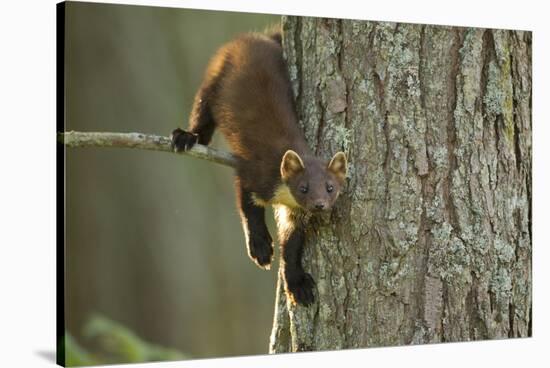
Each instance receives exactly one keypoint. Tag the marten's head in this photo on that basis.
(314, 183)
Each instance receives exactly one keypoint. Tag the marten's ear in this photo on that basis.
(339, 165)
(291, 164)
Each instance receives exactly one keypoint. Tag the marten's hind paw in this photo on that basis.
(260, 250)
(182, 140)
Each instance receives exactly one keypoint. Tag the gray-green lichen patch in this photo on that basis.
(449, 257)
(413, 86)
(494, 97)
(504, 251)
(340, 136)
(501, 285)
(440, 156)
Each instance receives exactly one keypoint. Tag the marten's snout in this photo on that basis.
(320, 205)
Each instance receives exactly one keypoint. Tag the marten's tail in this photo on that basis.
(274, 32)
(277, 37)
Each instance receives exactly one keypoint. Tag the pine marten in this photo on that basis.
(246, 93)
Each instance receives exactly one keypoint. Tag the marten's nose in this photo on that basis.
(319, 206)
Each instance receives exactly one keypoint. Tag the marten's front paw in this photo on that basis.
(300, 289)
(260, 249)
(182, 140)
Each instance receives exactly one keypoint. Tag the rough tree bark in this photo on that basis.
(431, 240)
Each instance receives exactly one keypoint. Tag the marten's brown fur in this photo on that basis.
(246, 93)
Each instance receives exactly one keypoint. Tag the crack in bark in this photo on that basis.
(511, 315)
(449, 206)
(321, 124)
(488, 55)
(299, 54)
(451, 129)
(515, 115)
(347, 88)
(476, 319)
(421, 53)
(444, 311)
(340, 33)
(499, 120)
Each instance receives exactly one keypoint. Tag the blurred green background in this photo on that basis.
(154, 244)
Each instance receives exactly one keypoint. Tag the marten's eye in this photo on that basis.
(303, 189)
(330, 188)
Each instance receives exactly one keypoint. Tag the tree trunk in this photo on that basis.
(431, 239)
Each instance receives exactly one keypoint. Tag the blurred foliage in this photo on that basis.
(154, 240)
(113, 343)
(75, 355)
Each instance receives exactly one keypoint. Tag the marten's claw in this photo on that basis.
(182, 140)
(260, 250)
(300, 289)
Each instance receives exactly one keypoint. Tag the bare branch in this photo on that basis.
(142, 141)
